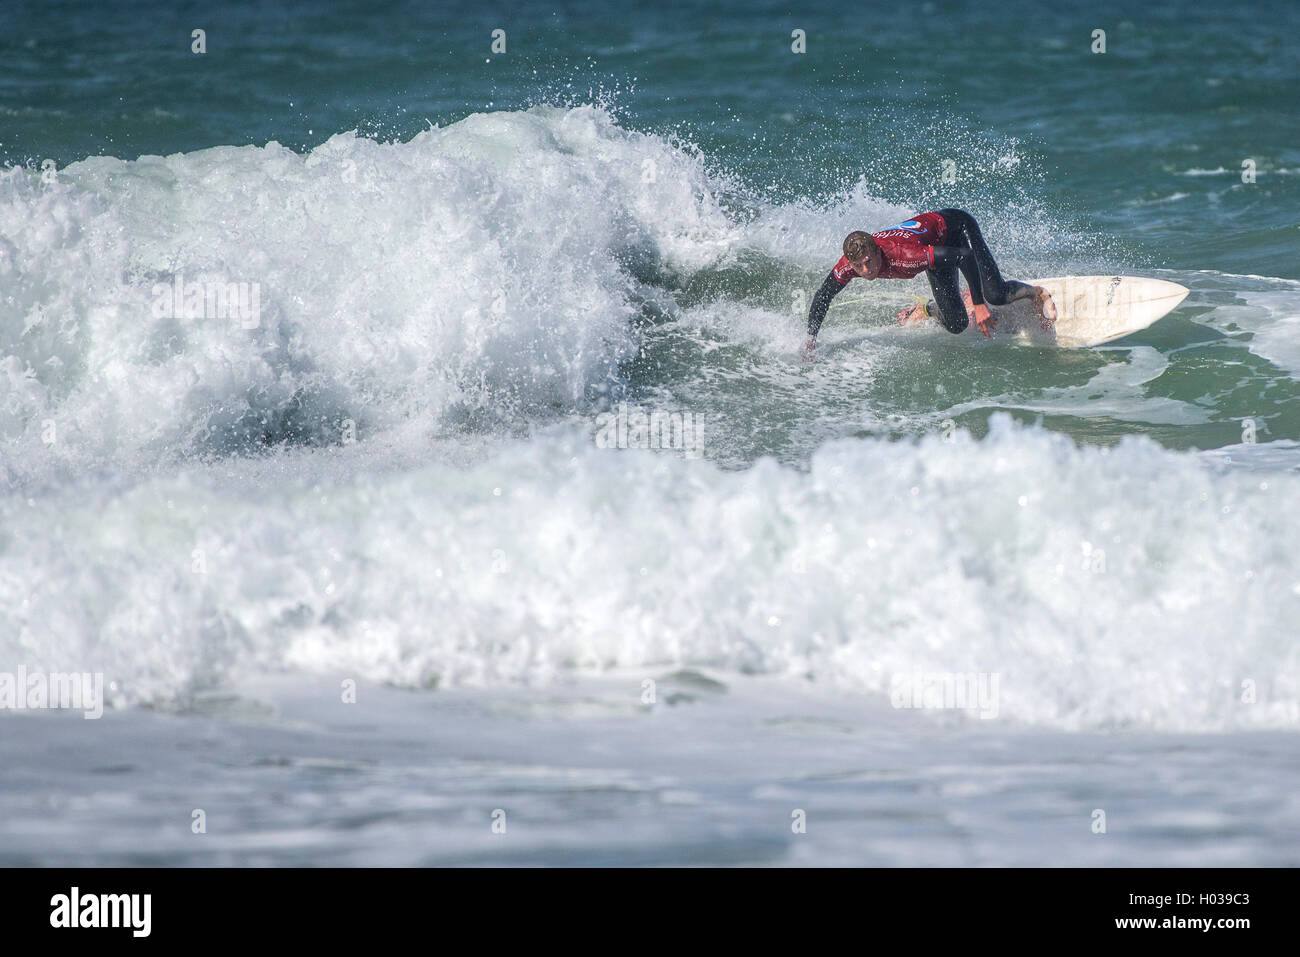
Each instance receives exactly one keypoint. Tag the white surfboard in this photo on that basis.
(1090, 310)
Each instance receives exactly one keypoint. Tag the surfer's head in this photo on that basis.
(863, 254)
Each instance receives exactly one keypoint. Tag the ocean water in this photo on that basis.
(366, 583)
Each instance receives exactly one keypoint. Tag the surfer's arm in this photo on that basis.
(821, 302)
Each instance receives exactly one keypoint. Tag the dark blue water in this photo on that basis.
(885, 94)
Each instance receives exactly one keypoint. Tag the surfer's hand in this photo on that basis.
(913, 313)
(809, 347)
(984, 319)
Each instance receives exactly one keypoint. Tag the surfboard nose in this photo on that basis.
(1160, 287)
(1092, 310)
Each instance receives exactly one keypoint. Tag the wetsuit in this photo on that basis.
(939, 244)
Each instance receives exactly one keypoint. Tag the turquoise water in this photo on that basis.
(1127, 161)
(458, 263)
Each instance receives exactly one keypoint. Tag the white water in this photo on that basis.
(554, 556)
(180, 512)
(475, 267)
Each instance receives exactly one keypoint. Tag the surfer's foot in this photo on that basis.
(1045, 307)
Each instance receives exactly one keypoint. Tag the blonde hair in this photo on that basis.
(858, 246)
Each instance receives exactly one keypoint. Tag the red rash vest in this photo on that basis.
(908, 249)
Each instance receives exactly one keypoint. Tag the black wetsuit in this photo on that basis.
(964, 250)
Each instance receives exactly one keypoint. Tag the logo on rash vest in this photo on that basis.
(912, 226)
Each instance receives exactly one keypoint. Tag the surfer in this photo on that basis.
(938, 244)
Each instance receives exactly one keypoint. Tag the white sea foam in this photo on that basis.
(488, 272)
(489, 266)
(1129, 587)
(491, 270)
(1267, 307)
